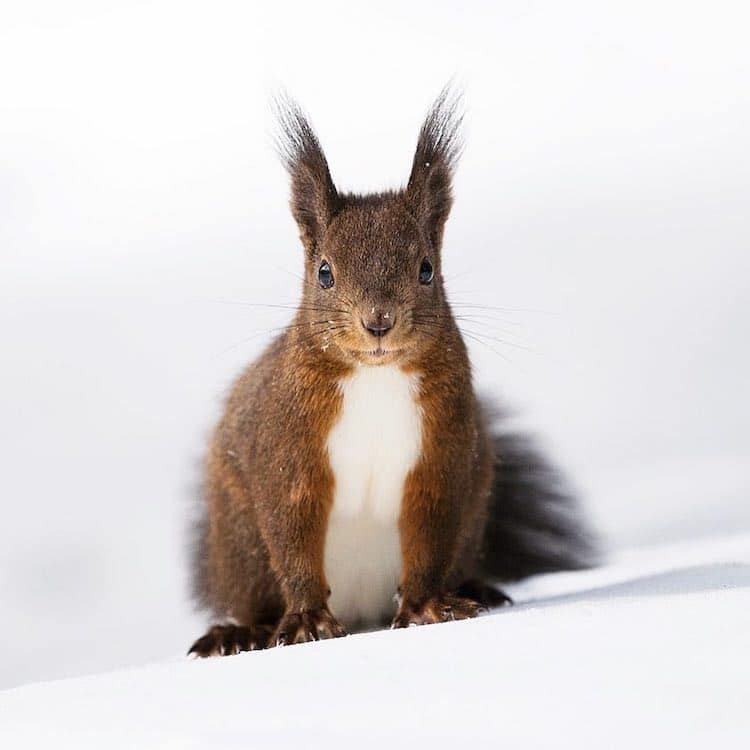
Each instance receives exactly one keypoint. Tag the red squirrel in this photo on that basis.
(355, 479)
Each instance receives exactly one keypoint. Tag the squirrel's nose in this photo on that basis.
(378, 324)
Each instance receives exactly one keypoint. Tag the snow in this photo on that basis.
(148, 253)
(649, 651)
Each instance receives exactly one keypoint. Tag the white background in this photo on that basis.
(603, 200)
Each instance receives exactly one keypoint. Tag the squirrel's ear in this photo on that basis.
(429, 190)
(314, 199)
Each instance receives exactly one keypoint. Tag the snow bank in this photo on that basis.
(651, 651)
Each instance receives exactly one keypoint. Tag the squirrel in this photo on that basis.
(355, 479)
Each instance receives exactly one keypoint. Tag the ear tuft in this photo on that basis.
(429, 190)
(314, 200)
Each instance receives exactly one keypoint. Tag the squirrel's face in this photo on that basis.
(374, 283)
(373, 287)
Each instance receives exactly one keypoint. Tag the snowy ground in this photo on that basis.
(651, 651)
(601, 203)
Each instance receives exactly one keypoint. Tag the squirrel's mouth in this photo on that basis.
(379, 354)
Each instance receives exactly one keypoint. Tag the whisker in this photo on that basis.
(315, 335)
(474, 335)
(305, 308)
(474, 306)
(481, 316)
(277, 329)
(484, 343)
(501, 341)
(312, 285)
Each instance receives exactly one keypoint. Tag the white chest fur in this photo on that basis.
(371, 448)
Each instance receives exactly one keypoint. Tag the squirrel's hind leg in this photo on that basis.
(484, 594)
(224, 640)
(470, 599)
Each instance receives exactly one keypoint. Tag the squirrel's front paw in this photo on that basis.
(309, 625)
(443, 608)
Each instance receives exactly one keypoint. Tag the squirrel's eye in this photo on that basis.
(325, 276)
(425, 272)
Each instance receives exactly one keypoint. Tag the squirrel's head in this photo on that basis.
(373, 288)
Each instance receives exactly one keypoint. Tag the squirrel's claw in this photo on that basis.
(310, 625)
(224, 640)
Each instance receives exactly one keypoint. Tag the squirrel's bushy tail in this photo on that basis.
(535, 524)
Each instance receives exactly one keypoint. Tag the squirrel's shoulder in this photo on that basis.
(285, 371)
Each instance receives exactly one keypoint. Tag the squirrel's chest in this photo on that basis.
(371, 448)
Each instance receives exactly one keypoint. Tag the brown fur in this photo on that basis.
(269, 485)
